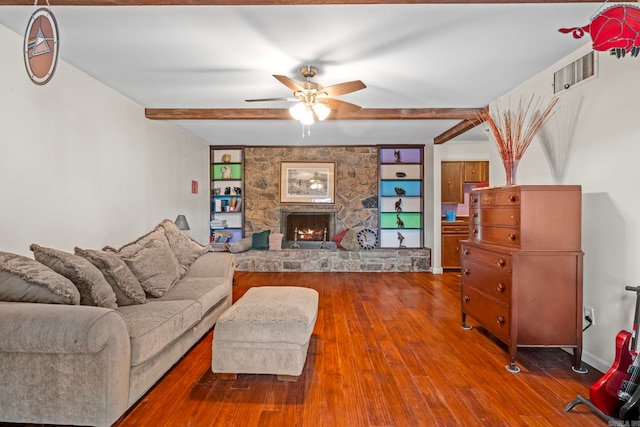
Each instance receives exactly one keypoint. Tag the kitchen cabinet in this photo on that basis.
(454, 174)
(453, 232)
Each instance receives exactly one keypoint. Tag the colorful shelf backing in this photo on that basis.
(226, 171)
(401, 220)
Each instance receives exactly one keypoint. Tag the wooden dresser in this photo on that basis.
(521, 268)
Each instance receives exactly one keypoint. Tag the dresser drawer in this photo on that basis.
(501, 236)
(485, 256)
(456, 228)
(493, 197)
(492, 281)
(493, 316)
(508, 216)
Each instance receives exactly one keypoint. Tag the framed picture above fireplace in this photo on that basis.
(307, 182)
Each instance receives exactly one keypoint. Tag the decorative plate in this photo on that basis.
(367, 238)
(41, 46)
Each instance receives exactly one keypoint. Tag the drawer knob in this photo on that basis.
(500, 320)
(466, 252)
(475, 214)
(467, 271)
(466, 298)
(475, 231)
(501, 262)
(501, 287)
(474, 200)
(512, 198)
(512, 237)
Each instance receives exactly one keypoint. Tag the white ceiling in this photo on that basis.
(409, 56)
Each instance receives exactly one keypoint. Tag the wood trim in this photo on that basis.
(283, 114)
(459, 129)
(272, 2)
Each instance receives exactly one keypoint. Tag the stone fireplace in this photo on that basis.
(309, 229)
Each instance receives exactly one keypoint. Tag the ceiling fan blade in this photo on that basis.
(343, 88)
(271, 99)
(290, 83)
(339, 105)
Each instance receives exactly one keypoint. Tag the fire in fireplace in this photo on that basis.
(309, 229)
(308, 226)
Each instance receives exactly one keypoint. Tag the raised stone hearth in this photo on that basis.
(288, 260)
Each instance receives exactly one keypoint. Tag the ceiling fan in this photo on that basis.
(314, 100)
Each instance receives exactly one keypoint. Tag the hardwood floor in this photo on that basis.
(387, 350)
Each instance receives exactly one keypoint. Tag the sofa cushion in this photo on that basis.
(184, 248)
(260, 240)
(350, 240)
(24, 279)
(151, 260)
(241, 245)
(275, 241)
(124, 283)
(93, 287)
(207, 291)
(337, 238)
(155, 325)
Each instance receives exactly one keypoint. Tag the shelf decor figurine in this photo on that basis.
(513, 129)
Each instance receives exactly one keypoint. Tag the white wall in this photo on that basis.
(80, 165)
(604, 160)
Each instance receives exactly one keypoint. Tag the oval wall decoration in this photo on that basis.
(41, 46)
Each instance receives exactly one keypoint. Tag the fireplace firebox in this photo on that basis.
(308, 229)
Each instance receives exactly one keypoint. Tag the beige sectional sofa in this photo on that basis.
(80, 348)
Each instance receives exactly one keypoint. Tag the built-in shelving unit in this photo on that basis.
(227, 192)
(401, 184)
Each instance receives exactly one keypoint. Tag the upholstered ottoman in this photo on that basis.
(267, 331)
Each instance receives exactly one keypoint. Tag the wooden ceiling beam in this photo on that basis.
(271, 2)
(459, 129)
(283, 114)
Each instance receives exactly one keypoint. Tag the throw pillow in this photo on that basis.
(241, 245)
(93, 287)
(24, 279)
(184, 247)
(337, 238)
(151, 260)
(260, 241)
(124, 283)
(275, 241)
(350, 240)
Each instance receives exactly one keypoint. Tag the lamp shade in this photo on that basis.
(297, 110)
(181, 222)
(321, 110)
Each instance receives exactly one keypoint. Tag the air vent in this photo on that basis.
(576, 72)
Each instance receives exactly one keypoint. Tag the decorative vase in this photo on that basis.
(511, 167)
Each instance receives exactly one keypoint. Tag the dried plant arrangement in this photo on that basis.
(513, 129)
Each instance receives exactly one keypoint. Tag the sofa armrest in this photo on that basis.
(63, 364)
(213, 264)
(57, 328)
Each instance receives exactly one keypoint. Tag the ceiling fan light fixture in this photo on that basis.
(307, 116)
(321, 110)
(297, 110)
